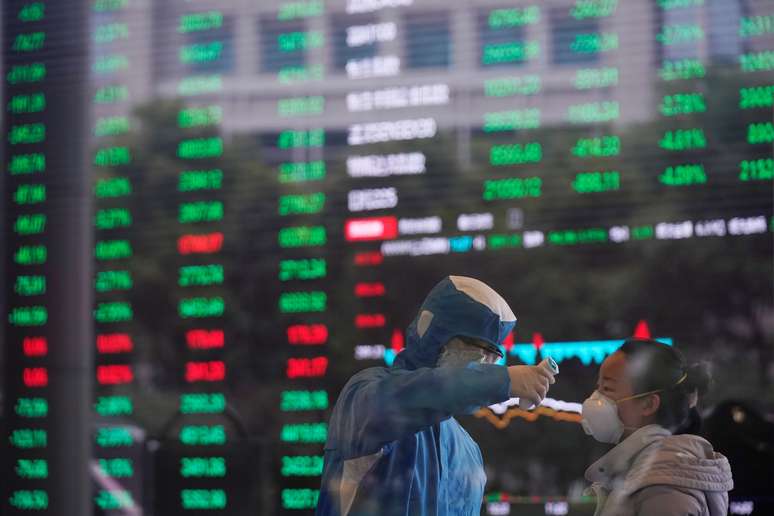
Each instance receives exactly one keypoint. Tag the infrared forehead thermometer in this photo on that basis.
(549, 365)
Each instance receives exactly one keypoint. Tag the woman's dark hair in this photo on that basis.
(655, 366)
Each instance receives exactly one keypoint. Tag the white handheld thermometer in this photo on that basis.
(549, 365)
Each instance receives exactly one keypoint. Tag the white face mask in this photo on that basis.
(600, 418)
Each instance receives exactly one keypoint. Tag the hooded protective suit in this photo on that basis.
(393, 446)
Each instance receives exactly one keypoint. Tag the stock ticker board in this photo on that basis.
(277, 184)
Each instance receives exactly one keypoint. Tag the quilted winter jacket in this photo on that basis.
(655, 473)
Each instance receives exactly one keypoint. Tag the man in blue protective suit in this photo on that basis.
(393, 446)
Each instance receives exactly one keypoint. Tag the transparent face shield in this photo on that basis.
(492, 354)
(461, 351)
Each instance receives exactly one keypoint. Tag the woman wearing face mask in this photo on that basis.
(645, 404)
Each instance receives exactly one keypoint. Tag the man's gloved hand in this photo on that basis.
(530, 382)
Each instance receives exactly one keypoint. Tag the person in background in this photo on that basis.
(645, 404)
(393, 446)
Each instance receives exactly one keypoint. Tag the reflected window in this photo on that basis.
(358, 37)
(577, 41)
(725, 44)
(210, 50)
(428, 40)
(503, 44)
(284, 44)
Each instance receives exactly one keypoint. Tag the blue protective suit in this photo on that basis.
(393, 446)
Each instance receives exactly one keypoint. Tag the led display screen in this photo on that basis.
(276, 185)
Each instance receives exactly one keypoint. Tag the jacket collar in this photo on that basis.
(618, 460)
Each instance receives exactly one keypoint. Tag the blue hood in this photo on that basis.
(457, 305)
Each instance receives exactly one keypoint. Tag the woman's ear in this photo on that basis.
(651, 405)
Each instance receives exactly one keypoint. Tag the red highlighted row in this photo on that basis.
(200, 244)
(372, 228)
(204, 339)
(114, 374)
(111, 343)
(114, 343)
(35, 346)
(363, 321)
(307, 334)
(212, 371)
(369, 258)
(370, 289)
(35, 376)
(307, 367)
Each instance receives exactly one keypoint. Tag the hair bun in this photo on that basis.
(699, 377)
